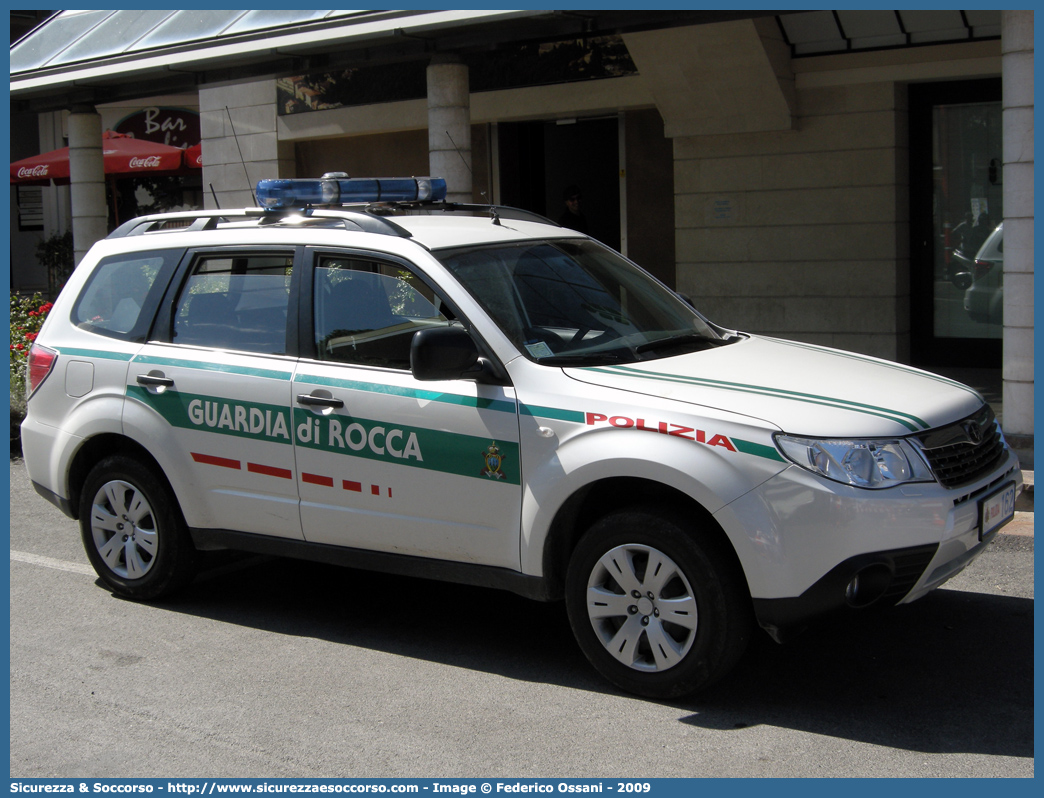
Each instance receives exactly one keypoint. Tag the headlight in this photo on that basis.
(862, 463)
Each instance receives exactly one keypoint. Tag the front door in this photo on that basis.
(386, 462)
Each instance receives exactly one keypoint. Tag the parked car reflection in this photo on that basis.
(982, 279)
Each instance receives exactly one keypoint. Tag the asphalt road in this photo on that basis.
(273, 668)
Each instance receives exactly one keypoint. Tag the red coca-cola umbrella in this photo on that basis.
(193, 156)
(123, 156)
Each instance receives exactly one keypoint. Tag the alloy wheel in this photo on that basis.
(124, 529)
(642, 607)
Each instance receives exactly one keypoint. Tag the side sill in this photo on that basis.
(62, 504)
(531, 587)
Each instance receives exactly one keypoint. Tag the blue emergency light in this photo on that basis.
(336, 188)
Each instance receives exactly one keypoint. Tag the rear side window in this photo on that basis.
(236, 302)
(121, 295)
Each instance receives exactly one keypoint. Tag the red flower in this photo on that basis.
(46, 307)
(18, 346)
(33, 313)
(30, 336)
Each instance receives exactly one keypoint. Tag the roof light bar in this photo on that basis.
(336, 188)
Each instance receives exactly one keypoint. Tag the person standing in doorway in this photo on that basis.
(573, 217)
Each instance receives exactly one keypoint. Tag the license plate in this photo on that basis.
(996, 510)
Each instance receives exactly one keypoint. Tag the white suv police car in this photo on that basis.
(478, 395)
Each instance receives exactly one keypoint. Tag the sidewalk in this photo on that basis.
(1022, 524)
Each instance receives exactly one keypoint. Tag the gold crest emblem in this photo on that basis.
(494, 461)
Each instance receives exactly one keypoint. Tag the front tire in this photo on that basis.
(659, 607)
(133, 531)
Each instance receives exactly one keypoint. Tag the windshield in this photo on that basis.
(575, 302)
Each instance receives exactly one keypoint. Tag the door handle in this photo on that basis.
(154, 381)
(318, 401)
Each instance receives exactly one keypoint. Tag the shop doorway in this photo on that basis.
(956, 253)
(539, 160)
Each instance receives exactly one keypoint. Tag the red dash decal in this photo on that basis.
(316, 479)
(209, 459)
(270, 471)
(357, 487)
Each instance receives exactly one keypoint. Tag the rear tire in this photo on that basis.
(133, 531)
(660, 608)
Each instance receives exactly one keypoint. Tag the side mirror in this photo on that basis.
(446, 353)
(962, 280)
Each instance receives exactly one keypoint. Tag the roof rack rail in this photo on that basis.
(363, 222)
(493, 211)
(366, 218)
(171, 222)
(192, 221)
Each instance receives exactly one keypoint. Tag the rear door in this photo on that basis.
(386, 462)
(210, 391)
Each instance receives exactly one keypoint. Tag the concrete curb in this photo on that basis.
(1022, 524)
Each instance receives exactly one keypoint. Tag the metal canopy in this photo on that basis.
(818, 32)
(95, 56)
(104, 56)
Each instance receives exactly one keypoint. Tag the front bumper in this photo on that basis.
(803, 542)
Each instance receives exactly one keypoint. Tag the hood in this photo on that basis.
(799, 388)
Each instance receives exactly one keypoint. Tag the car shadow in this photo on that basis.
(950, 673)
(936, 676)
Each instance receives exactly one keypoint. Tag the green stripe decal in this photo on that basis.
(881, 363)
(255, 420)
(909, 421)
(558, 414)
(499, 405)
(415, 447)
(203, 365)
(430, 449)
(757, 449)
(102, 354)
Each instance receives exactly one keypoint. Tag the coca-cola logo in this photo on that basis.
(151, 162)
(33, 171)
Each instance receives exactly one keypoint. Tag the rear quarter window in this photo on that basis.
(121, 295)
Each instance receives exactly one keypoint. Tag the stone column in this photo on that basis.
(449, 126)
(1017, 75)
(241, 143)
(87, 180)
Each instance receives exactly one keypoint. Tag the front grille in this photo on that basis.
(963, 452)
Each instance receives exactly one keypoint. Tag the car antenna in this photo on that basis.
(492, 209)
(214, 195)
(242, 160)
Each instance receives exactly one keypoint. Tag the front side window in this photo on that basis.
(574, 302)
(236, 302)
(112, 300)
(366, 312)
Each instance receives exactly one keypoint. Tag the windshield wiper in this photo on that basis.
(684, 339)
